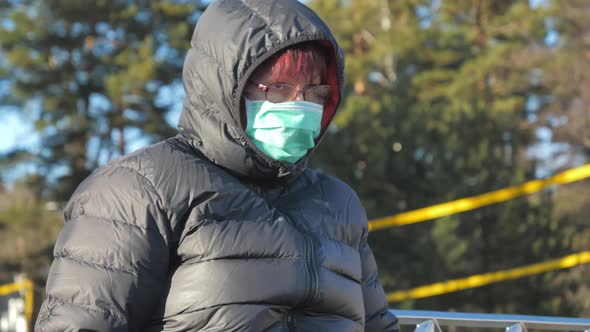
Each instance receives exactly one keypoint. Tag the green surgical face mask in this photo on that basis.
(283, 131)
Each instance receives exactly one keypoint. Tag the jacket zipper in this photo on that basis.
(291, 322)
(309, 261)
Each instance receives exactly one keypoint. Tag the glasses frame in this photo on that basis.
(264, 88)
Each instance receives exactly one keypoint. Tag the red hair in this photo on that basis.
(303, 61)
(307, 60)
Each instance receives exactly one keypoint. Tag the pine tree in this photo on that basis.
(90, 72)
(436, 110)
(563, 112)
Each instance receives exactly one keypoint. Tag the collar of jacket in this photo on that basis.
(231, 39)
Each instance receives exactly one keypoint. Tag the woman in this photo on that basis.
(224, 228)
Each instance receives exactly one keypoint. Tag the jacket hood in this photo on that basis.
(231, 39)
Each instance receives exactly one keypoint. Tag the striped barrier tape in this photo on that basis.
(27, 286)
(479, 280)
(471, 203)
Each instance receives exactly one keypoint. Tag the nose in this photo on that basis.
(299, 95)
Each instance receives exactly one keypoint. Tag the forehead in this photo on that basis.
(270, 73)
(264, 71)
(294, 67)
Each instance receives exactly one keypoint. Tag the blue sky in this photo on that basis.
(15, 131)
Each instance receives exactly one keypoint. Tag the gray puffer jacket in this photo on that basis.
(202, 232)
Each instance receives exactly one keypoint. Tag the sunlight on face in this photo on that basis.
(264, 74)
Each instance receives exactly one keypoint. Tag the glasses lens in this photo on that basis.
(279, 92)
(319, 94)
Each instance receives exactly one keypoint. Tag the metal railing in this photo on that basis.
(431, 321)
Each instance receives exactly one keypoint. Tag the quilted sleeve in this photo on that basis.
(377, 315)
(111, 258)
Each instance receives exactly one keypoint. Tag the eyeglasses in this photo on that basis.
(281, 92)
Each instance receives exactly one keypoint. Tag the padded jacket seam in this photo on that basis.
(107, 311)
(370, 280)
(66, 256)
(117, 221)
(196, 261)
(159, 196)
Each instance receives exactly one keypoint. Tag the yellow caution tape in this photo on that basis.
(479, 280)
(471, 203)
(11, 288)
(27, 286)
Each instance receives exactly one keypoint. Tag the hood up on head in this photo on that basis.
(231, 39)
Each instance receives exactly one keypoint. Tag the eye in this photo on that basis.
(279, 86)
(279, 92)
(319, 93)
